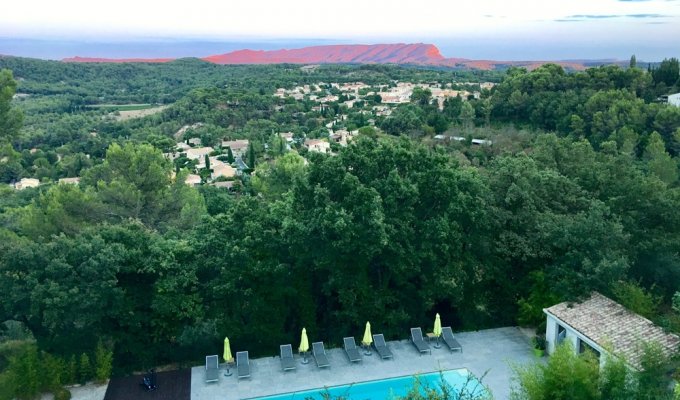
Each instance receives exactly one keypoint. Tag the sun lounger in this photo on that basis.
(242, 365)
(351, 349)
(450, 340)
(287, 360)
(418, 341)
(212, 369)
(320, 355)
(381, 346)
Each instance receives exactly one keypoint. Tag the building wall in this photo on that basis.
(572, 335)
(674, 99)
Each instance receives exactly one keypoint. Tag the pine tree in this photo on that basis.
(103, 359)
(633, 62)
(85, 369)
(207, 162)
(251, 157)
(24, 370)
(52, 368)
(230, 156)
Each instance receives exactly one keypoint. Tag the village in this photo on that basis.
(225, 164)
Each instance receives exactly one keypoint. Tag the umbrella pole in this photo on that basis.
(304, 357)
(367, 350)
(436, 343)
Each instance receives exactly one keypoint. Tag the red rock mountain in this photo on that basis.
(378, 53)
(400, 53)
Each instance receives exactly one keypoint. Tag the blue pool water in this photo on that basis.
(388, 388)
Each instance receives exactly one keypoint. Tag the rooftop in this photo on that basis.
(489, 350)
(608, 323)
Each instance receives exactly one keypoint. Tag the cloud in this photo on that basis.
(585, 17)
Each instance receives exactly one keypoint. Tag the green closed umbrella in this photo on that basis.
(304, 345)
(437, 330)
(227, 351)
(228, 358)
(368, 339)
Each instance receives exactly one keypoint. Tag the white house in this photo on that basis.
(674, 99)
(198, 153)
(602, 325)
(238, 147)
(192, 180)
(319, 146)
(223, 170)
(27, 183)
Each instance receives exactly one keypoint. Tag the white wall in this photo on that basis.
(674, 99)
(572, 335)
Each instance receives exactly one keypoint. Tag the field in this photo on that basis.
(123, 107)
(124, 112)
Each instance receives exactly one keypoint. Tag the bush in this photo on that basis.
(635, 298)
(51, 372)
(84, 369)
(62, 394)
(69, 374)
(103, 359)
(24, 373)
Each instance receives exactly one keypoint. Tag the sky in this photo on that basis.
(480, 29)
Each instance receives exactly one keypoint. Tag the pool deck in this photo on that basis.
(490, 351)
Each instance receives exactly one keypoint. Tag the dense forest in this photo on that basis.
(578, 192)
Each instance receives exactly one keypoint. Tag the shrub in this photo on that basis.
(62, 394)
(84, 369)
(24, 373)
(51, 372)
(635, 298)
(103, 359)
(69, 374)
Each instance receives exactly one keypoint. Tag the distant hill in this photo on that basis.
(399, 53)
(116, 60)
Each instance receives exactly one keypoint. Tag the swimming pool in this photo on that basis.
(388, 388)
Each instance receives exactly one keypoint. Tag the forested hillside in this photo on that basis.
(578, 192)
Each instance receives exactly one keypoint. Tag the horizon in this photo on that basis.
(485, 29)
(61, 48)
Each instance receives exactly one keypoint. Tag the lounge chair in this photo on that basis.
(450, 340)
(419, 342)
(287, 361)
(212, 369)
(242, 365)
(320, 355)
(351, 349)
(381, 346)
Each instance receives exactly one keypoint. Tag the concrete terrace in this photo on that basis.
(490, 350)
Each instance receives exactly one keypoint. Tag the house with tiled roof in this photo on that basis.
(604, 326)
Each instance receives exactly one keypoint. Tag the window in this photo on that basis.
(561, 333)
(583, 347)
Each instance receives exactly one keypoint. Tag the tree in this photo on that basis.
(251, 156)
(467, 114)
(103, 362)
(84, 369)
(633, 62)
(10, 118)
(274, 179)
(421, 97)
(230, 156)
(668, 72)
(659, 161)
(207, 162)
(25, 373)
